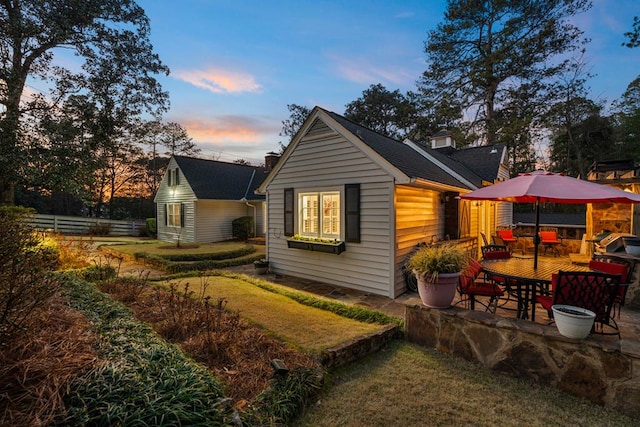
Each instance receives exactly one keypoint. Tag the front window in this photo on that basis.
(320, 214)
(173, 215)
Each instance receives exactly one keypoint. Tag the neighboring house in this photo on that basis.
(198, 199)
(381, 197)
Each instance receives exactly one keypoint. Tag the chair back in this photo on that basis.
(612, 268)
(592, 290)
(548, 236)
(495, 252)
(498, 240)
(484, 239)
(505, 234)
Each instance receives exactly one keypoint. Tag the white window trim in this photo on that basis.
(172, 216)
(319, 191)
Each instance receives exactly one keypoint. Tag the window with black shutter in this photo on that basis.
(352, 213)
(288, 212)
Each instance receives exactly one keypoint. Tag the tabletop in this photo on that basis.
(522, 269)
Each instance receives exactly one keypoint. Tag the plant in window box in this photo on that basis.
(261, 266)
(437, 269)
(316, 244)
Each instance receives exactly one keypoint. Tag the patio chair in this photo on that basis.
(471, 285)
(495, 252)
(619, 268)
(595, 291)
(484, 239)
(550, 240)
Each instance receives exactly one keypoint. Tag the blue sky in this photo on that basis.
(236, 64)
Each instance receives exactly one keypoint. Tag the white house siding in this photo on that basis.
(215, 218)
(181, 193)
(325, 159)
(419, 216)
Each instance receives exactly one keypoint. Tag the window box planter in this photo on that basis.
(329, 248)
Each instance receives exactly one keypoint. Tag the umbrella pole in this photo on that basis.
(536, 235)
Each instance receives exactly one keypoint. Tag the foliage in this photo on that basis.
(483, 52)
(389, 113)
(633, 35)
(152, 228)
(99, 229)
(291, 126)
(242, 228)
(141, 380)
(116, 83)
(437, 259)
(26, 282)
(285, 399)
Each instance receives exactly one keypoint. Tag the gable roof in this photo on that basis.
(472, 164)
(214, 180)
(412, 161)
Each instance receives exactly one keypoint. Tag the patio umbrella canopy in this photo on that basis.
(541, 186)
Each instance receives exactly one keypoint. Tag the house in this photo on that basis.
(198, 199)
(377, 197)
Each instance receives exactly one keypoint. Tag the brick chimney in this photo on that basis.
(270, 160)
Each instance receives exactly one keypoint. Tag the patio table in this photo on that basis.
(522, 279)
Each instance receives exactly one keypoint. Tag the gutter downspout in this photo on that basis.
(244, 199)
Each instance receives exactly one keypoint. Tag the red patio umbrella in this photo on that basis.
(542, 186)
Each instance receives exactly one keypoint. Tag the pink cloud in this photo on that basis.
(231, 128)
(219, 80)
(360, 70)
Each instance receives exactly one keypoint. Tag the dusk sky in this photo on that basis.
(236, 64)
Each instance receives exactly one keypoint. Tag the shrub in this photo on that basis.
(26, 283)
(242, 228)
(152, 227)
(99, 229)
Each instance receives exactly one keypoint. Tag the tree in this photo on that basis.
(32, 31)
(633, 35)
(484, 49)
(291, 126)
(389, 113)
(627, 114)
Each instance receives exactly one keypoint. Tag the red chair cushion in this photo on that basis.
(497, 255)
(506, 235)
(546, 301)
(549, 237)
(485, 289)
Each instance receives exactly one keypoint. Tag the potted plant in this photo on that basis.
(573, 322)
(261, 266)
(437, 269)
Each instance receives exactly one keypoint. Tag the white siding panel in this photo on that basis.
(181, 193)
(215, 218)
(334, 162)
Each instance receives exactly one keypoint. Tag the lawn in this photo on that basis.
(406, 385)
(307, 327)
(169, 249)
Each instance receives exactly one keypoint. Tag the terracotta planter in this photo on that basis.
(438, 294)
(573, 322)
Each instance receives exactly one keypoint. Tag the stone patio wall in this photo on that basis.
(602, 369)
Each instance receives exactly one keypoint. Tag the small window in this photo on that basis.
(174, 215)
(173, 177)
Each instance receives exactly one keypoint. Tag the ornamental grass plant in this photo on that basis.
(431, 261)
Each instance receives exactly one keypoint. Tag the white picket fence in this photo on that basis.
(79, 225)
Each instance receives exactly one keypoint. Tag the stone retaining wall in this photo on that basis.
(602, 369)
(358, 348)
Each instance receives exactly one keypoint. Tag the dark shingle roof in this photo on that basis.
(473, 164)
(214, 180)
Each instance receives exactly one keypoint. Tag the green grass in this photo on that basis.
(301, 325)
(406, 385)
(170, 249)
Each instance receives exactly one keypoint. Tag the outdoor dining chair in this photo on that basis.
(495, 252)
(619, 268)
(595, 291)
(472, 284)
(550, 240)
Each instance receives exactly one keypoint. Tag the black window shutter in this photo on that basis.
(166, 214)
(177, 176)
(288, 212)
(181, 212)
(352, 213)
